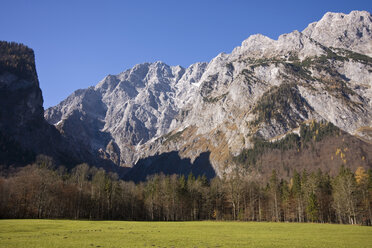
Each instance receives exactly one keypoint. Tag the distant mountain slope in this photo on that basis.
(263, 89)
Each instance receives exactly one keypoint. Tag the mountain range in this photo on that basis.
(301, 101)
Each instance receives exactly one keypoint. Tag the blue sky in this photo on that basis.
(77, 43)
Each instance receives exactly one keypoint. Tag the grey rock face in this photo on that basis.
(263, 88)
(128, 109)
(352, 31)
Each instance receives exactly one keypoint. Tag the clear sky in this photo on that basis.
(77, 43)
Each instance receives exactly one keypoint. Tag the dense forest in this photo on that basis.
(41, 190)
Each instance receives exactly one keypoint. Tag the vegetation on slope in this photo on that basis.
(334, 82)
(314, 132)
(278, 102)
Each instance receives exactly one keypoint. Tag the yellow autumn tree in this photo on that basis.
(361, 175)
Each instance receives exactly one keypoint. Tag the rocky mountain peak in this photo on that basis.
(263, 89)
(129, 108)
(294, 43)
(257, 40)
(351, 31)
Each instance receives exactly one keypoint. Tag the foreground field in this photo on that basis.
(65, 233)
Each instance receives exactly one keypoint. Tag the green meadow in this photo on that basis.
(110, 234)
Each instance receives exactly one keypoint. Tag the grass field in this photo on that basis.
(80, 234)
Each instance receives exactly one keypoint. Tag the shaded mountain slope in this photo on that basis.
(24, 133)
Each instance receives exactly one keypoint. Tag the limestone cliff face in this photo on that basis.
(128, 109)
(264, 88)
(352, 31)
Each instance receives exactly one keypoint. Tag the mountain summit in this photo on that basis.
(264, 92)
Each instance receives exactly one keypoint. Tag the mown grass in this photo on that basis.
(66, 233)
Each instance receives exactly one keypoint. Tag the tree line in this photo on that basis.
(40, 190)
